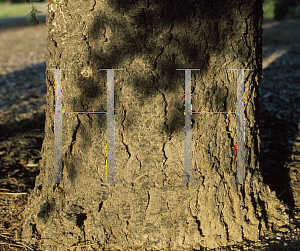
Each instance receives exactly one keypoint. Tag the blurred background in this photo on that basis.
(281, 9)
(273, 9)
(12, 8)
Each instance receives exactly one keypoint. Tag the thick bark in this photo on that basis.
(149, 40)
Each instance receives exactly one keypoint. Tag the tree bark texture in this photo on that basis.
(149, 40)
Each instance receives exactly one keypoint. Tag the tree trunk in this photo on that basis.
(150, 41)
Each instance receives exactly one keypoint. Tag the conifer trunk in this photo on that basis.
(149, 40)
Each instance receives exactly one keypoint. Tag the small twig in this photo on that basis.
(5, 233)
(20, 243)
(13, 193)
(24, 245)
(86, 245)
(10, 244)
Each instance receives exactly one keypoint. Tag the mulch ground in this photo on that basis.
(22, 115)
(22, 121)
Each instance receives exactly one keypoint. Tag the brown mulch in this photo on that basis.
(23, 103)
(22, 120)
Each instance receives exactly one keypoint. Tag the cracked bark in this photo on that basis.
(150, 41)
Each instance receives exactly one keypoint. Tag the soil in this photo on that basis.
(22, 116)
